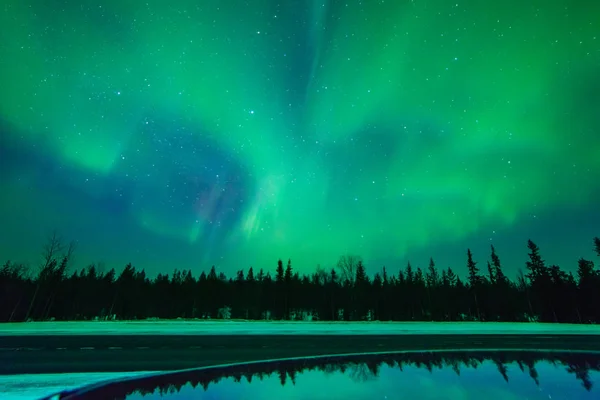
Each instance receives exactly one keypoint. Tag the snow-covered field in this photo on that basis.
(28, 387)
(203, 327)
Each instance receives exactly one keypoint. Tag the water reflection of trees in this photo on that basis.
(363, 371)
(361, 368)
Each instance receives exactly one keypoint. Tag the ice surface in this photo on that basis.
(36, 386)
(25, 387)
(203, 327)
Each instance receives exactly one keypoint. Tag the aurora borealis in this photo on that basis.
(186, 134)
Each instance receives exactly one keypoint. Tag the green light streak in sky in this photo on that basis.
(474, 101)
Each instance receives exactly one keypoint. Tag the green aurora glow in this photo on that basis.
(235, 132)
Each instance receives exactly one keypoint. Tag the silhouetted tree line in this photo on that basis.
(360, 368)
(346, 292)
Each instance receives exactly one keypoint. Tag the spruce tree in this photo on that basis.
(491, 274)
(498, 274)
(288, 272)
(361, 274)
(585, 270)
(452, 278)
(279, 273)
(536, 266)
(409, 276)
(432, 274)
(474, 277)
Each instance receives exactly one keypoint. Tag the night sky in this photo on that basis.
(190, 133)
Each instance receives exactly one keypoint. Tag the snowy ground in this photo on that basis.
(28, 387)
(203, 327)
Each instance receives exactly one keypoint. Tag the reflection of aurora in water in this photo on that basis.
(465, 375)
(234, 132)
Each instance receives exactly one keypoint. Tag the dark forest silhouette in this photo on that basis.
(543, 293)
(359, 368)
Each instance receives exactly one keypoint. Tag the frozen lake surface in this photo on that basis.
(204, 327)
(25, 387)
